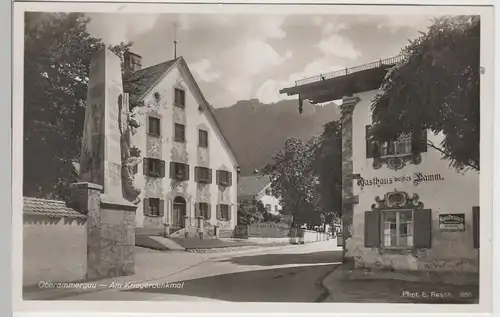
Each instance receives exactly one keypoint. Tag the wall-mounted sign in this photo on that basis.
(452, 222)
(416, 179)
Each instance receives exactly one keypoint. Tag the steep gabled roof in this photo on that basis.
(252, 185)
(141, 82)
(49, 208)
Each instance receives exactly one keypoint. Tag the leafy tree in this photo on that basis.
(328, 166)
(436, 87)
(57, 56)
(250, 212)
(292, 176)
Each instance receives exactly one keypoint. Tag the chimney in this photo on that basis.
(131, 62)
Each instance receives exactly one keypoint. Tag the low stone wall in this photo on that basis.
(54, 249)
(314, 236)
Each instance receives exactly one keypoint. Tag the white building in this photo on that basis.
(189, 171)
(404, 207)
(258, 188)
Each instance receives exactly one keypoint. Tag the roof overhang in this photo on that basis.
(335, 87)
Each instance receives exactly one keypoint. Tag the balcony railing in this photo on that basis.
(351, 70)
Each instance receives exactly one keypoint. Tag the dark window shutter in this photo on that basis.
(186, 172)
(475, 226)
(209, 211)
(145, 207)
(372, 229)
(419, 140)
(135, 169)
(370, 148)
(217, 212)
(229, 209)
(210, 176)
(230, 178)
(422, 228)
(172, 170)
(161, 207)
(145, 166)
(196, 173)
(162, 168)
(217, 176)
(197, 210)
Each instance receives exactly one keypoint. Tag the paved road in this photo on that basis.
(287, 274)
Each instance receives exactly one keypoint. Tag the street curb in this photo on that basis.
(330, 297)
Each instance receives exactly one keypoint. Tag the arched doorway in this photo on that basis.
(178, 212)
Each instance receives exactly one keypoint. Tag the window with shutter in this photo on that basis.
(179, 98)
(202, 174)
(179, 133)
(397, 228)
(155, 167)
(370, 145)
(203, 210)
(179, 171)
(224, 178)
(475, 227)
(154, 126)
(203, 138)
(224, 212)
(153, 207)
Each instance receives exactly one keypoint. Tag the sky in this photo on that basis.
(238, 57)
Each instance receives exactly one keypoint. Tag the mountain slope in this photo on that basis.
(256, 131)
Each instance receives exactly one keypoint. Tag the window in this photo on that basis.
(203, 210)
(276, 209)
(224, 212)
(268, 207)
(203, 175)
(268, 191)
(397, 228)
(153, 207)
(180, 131)
(179, 171)
(399, 147)
(415, 142)
(179, 98)
(224, 178)
(154, 167)
(153, 126)
(203, 138)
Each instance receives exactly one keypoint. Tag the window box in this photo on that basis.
(203, 175)
(224, 178)
(180, 133)
(153, 167)
(179, 171)
(153, 207)
(179, 98)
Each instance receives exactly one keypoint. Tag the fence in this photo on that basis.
(351, 70)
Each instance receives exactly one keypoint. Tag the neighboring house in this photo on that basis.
(258, 188)
(404, 207)
(189, 170)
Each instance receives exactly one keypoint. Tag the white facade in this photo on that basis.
(441, 189)
(217, 156)
(265, 196)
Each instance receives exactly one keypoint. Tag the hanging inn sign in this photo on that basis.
(416, 179)
(452, 222)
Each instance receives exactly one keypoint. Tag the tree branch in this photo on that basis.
(448, 155)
